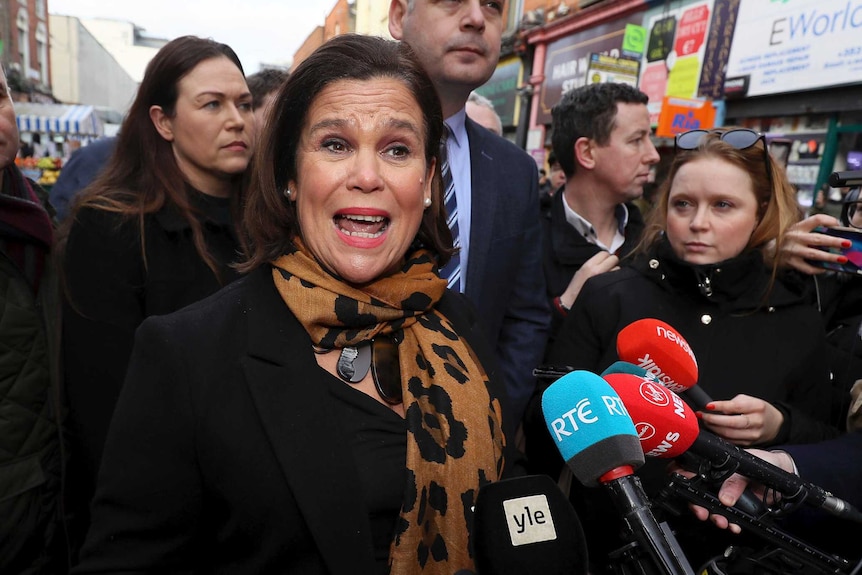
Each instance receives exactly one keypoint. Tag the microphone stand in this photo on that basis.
(787, 550)
(641, 525)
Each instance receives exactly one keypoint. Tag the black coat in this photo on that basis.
(109, 290)
(226, 454)
(773, 350)
(565, 251)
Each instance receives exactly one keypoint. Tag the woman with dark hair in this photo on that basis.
(336, 410)
(154, 232)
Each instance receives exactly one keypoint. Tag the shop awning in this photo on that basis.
(58, 119)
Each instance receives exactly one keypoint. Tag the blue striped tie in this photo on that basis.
(452, 270)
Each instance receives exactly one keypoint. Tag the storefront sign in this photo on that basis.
(610, 69)
(568, 60)
(680, 115)
(791, 46)
(502, 90)
(691, 30)
(676, 52)
(719, 39)
(634, 41)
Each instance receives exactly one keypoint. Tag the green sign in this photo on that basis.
(635, 39)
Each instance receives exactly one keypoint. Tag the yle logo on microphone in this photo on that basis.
(529, 520)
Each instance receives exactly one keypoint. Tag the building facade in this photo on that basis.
(25, 48)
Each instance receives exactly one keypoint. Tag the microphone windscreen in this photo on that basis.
(590, 427)
(626, 367)
(666, 426)
(659, 349)
(526, 525)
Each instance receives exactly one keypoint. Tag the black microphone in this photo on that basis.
(526, 526)
(721, 452)
(660, 410)
(598, 441)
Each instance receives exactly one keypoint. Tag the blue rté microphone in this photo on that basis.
(590, 426)
(596, 437)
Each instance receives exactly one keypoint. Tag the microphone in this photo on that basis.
(666, 355)
(668, 428)
(596, 437)
(747, 502)
(526, 525)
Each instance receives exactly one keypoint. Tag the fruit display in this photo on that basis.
(49, 177)
(44, 171)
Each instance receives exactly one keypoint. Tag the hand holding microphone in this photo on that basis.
(659, 349)
(668, 428)
(735, 485)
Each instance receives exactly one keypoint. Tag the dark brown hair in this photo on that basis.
(269, 221)
(142, 175)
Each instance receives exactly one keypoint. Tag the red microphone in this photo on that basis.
(660, 350)
(666, 426)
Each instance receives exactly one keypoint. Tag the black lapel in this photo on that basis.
(294, 407)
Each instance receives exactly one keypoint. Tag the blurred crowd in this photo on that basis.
(289, 323)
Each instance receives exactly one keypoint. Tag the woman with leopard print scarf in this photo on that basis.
(336, 410)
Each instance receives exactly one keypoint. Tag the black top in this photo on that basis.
(228, 453)
(565, 251)
(110, 288)
(378, 442)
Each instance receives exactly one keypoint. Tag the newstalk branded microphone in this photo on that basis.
(596, 437)
(668, 428)
(660, 349)
(526, 526)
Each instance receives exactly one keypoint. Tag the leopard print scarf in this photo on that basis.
(455, 442)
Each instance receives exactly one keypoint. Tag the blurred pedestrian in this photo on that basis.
(82, 168)
(32, 457)
(264, 85)
(481, 110)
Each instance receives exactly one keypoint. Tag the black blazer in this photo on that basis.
(504, 272)
(224, 455)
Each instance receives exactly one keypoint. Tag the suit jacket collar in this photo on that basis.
(484, 195)
(291, 398)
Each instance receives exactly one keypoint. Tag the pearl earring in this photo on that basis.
(427, 202)
(287, 193)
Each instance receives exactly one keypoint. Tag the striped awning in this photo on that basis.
(58, 119)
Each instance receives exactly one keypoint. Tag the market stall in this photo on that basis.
(54, 131)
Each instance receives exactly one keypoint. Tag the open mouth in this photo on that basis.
(358, 226)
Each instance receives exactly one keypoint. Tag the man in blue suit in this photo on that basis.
(495, 185)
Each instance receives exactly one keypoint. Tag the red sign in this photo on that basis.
(653, 82)
(691, 30)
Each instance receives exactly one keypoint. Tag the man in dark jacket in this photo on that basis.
(30, 411)
(82, 168)
(601, 139)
